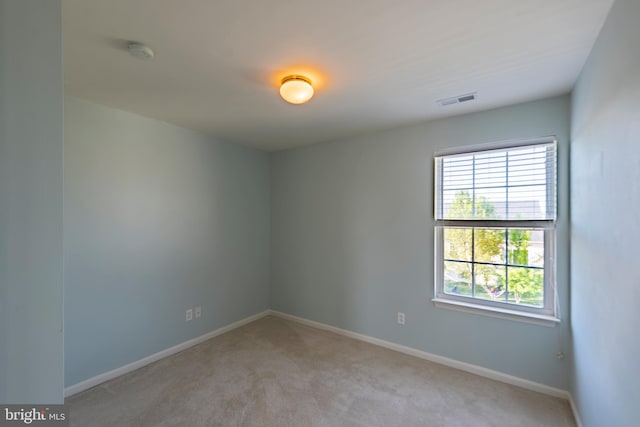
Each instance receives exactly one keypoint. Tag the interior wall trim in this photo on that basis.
(99, 379)
(574, 409)
(463, 366)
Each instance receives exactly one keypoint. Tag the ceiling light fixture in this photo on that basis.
(296, 89)
(140, 51)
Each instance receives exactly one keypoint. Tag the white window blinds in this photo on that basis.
(516, 183)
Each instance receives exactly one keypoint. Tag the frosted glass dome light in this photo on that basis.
(296, 89)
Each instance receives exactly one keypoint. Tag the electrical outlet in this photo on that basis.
(400, 318)
(189, 315)
(198, 311)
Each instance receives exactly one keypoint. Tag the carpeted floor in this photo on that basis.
(274, 372)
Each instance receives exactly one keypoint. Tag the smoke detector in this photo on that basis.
(140, 51)
(457, 99)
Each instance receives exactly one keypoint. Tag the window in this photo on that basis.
(495, 212)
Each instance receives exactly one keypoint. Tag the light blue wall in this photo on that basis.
(352, 240)
(31, 145)
(158, 219)
(605, 226)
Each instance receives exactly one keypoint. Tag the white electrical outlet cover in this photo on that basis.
(401, 318)
(189, 314)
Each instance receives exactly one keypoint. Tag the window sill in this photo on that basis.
(502, 313)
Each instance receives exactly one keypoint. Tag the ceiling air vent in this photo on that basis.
(457, 99)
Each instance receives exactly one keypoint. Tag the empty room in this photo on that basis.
(297, 213)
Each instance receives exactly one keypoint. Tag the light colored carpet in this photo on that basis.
(274, 372)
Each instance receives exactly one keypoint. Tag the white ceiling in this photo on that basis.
(374, 63)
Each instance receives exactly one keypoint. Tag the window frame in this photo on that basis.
(546, 315)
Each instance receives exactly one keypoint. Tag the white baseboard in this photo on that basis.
(574, 409)
(94, 381)
(467, 367)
